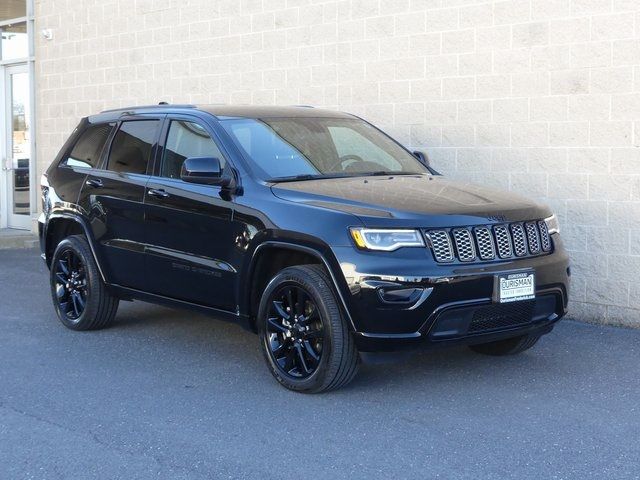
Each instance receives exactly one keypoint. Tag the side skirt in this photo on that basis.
(126, 293)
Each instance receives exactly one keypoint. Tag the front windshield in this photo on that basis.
(291, 148)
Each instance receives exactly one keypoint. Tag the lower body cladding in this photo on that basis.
(403, 299)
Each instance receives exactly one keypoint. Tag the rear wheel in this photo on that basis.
(80, 297)
(304, 337)
(510, 346)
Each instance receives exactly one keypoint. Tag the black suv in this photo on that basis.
(311, 227)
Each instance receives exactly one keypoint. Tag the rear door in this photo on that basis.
(113, 197)
(190, 228)
(81, 155)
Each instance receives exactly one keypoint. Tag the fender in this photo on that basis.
(311, 251)
(87, 232)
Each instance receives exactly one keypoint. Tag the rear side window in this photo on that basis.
(132, 145)
(184, 140)
(87, 150)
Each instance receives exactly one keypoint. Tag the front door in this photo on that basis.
(190, 228)
(17, 155)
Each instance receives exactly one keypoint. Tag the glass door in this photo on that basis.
(17, 155)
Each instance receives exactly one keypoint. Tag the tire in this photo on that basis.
(510, 346)
(82, 301)
(317, 326)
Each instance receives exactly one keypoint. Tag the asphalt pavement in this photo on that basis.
(170, 394)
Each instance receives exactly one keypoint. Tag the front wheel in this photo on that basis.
(510, 346)
(303, 334)
(79, 295)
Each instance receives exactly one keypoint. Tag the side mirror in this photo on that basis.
(204, 170)
(424, 159)
(422, 156)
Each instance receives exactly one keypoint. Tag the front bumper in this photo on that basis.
(438, 332)
(424, 304)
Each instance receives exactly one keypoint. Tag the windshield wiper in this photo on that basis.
(307, 176)
(318, 176)
(382, 173)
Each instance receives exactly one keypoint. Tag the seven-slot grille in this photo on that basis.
(484, 243)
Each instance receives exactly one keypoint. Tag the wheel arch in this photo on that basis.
(287, 254)
(62, 225)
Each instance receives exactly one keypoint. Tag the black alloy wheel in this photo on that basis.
(295, 331)
(71, 284)
(80, 297)
(305, 338)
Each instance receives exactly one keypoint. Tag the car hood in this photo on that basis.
(419, 200)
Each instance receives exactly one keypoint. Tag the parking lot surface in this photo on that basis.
(171, 394)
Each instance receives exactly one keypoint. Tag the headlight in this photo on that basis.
(386, 239)
(552, 224)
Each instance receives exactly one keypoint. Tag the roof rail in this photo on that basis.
(304, 106)
(141, 107)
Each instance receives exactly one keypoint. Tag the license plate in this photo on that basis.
(514, 287)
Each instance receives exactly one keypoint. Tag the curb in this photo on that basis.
(19, 240)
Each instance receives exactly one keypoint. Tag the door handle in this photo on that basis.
(158, 193)
(94, 182)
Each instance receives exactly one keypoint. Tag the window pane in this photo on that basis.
(186, 139)
(12, 9)
(352, 146)
(14, 41)
(131, 148)
(272, 153)
(287, 147)
(20, 141)
(87, 150)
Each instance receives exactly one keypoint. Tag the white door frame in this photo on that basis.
(7, 217)
(5, 65)
(4, 196)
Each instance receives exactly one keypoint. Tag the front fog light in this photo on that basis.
(385, 239)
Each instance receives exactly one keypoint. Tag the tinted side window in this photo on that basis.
(86, 152)
(132, 145)
(184, 140)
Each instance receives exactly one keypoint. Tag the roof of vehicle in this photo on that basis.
(262, 111)
(227, 111)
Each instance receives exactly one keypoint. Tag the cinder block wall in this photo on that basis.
(538, 96)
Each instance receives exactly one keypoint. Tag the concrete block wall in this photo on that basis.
(537, 96)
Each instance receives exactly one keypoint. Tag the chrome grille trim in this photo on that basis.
(484, 239)
(464, 245)
(489, 242)
(532, 238)
(545, 241)
(503, 240)
(519, 241)
(441, 245)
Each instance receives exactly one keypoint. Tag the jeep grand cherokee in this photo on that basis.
(310, 227)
